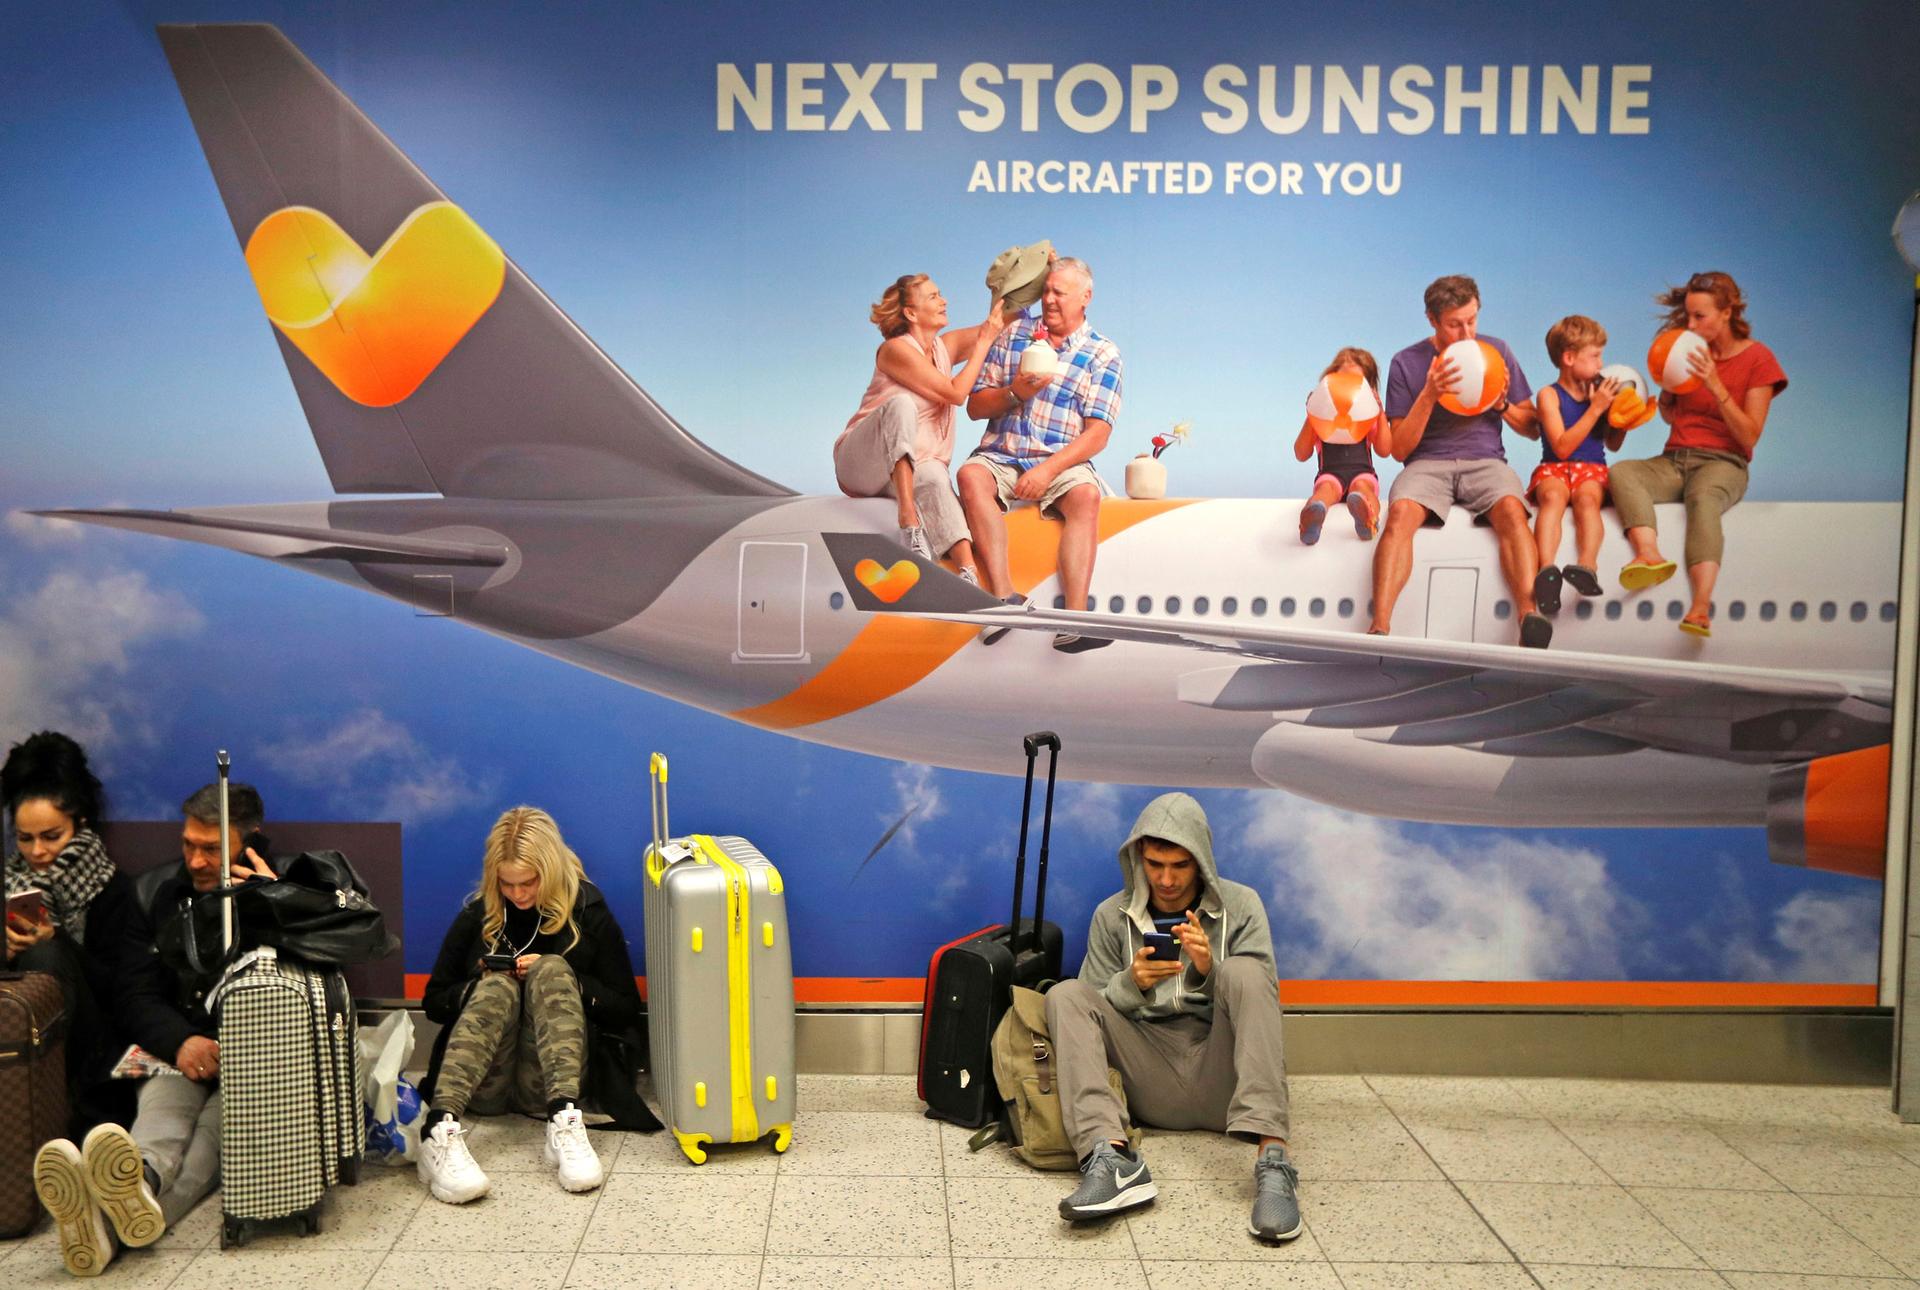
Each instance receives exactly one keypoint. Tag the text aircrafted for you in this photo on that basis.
(1186, 178)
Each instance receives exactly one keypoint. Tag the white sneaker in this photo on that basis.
(448, 1168)
(569, 1152)
(914, 538)
(118, 1181)
(61, 1182)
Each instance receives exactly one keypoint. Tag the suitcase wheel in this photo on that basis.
(782, 1137)
(691, 1144)
(310, 1222)
(233, 1232)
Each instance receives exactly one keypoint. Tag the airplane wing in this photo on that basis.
(268, 534)
(1500, 698)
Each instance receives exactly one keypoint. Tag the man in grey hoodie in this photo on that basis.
(1195, 1037)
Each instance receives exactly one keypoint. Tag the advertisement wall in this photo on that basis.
(716, 198)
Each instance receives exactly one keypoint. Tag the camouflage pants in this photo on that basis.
(516, 1045)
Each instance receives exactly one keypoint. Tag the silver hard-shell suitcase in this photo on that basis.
(719, 986)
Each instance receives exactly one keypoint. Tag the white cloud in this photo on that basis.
(1382, 903)
(375, 767)
(39, 531)
(1093, 809)
(67, 645)
(1815, 937)
(917, 798)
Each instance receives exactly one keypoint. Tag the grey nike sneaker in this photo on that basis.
(915, 540)
(1276, 1207)
(1110, 1183)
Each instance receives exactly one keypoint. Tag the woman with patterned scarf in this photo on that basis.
(54, 802)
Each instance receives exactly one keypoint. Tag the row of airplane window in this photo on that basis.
(1798, 611)
(1767, 610)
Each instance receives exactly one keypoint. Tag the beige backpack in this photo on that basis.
(1024, 1070)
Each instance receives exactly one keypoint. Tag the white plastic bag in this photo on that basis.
(392, 1102)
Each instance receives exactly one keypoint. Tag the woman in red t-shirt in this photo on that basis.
(1715, 429)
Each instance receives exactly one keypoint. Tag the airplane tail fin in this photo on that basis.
(425, 359)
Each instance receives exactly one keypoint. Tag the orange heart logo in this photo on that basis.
(376, 325)
(887, 584)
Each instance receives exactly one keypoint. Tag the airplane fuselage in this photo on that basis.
(756, 626)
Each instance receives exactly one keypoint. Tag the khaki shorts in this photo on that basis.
(1477, 484)
(1005, 477)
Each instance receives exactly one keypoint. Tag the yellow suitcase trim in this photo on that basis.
(746, 1120)
(690, 1143)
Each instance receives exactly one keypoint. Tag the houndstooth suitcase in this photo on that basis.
(719, 987)
(290, 1121)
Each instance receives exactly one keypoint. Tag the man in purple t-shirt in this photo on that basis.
(1455, 460)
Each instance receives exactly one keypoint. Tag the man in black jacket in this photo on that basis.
(144, 1182)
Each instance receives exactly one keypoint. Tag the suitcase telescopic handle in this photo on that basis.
(1046, 837)
(222, 764)
(1039, 739)
(657, 798)
(1033, 743)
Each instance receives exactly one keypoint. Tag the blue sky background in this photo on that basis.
(730, 275)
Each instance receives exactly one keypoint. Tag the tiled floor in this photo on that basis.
(1453, 1184)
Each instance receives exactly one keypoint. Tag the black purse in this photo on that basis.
(317, 910)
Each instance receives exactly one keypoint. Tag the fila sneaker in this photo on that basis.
(448, 1168)
(569, 1152)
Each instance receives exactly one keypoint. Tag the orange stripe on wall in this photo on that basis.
(892, 652)
(1575, 994)
(887, 656)
(872, 991)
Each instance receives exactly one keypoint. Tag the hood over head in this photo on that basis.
(1179, 819)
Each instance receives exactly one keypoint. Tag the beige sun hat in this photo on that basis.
(1019, 275)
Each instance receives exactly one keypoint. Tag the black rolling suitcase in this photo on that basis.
(970, 981)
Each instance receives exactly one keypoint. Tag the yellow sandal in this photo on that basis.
(1637, 575)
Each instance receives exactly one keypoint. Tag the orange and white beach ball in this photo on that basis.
(1668, 360)
(1342, 408)
(1625, 377)
(1483, 377)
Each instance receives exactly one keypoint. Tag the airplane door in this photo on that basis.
(773, 582)
(1451, 593)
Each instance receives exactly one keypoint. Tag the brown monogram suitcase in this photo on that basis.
(33, 1088)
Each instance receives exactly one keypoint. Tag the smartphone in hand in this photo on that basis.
(501, 962)
(1163, 946)
(27, 908)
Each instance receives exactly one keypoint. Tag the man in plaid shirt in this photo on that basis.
(1043, 433)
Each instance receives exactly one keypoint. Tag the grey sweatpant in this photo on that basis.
(1180, 1073)
(177, 1126)
(863, 464)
